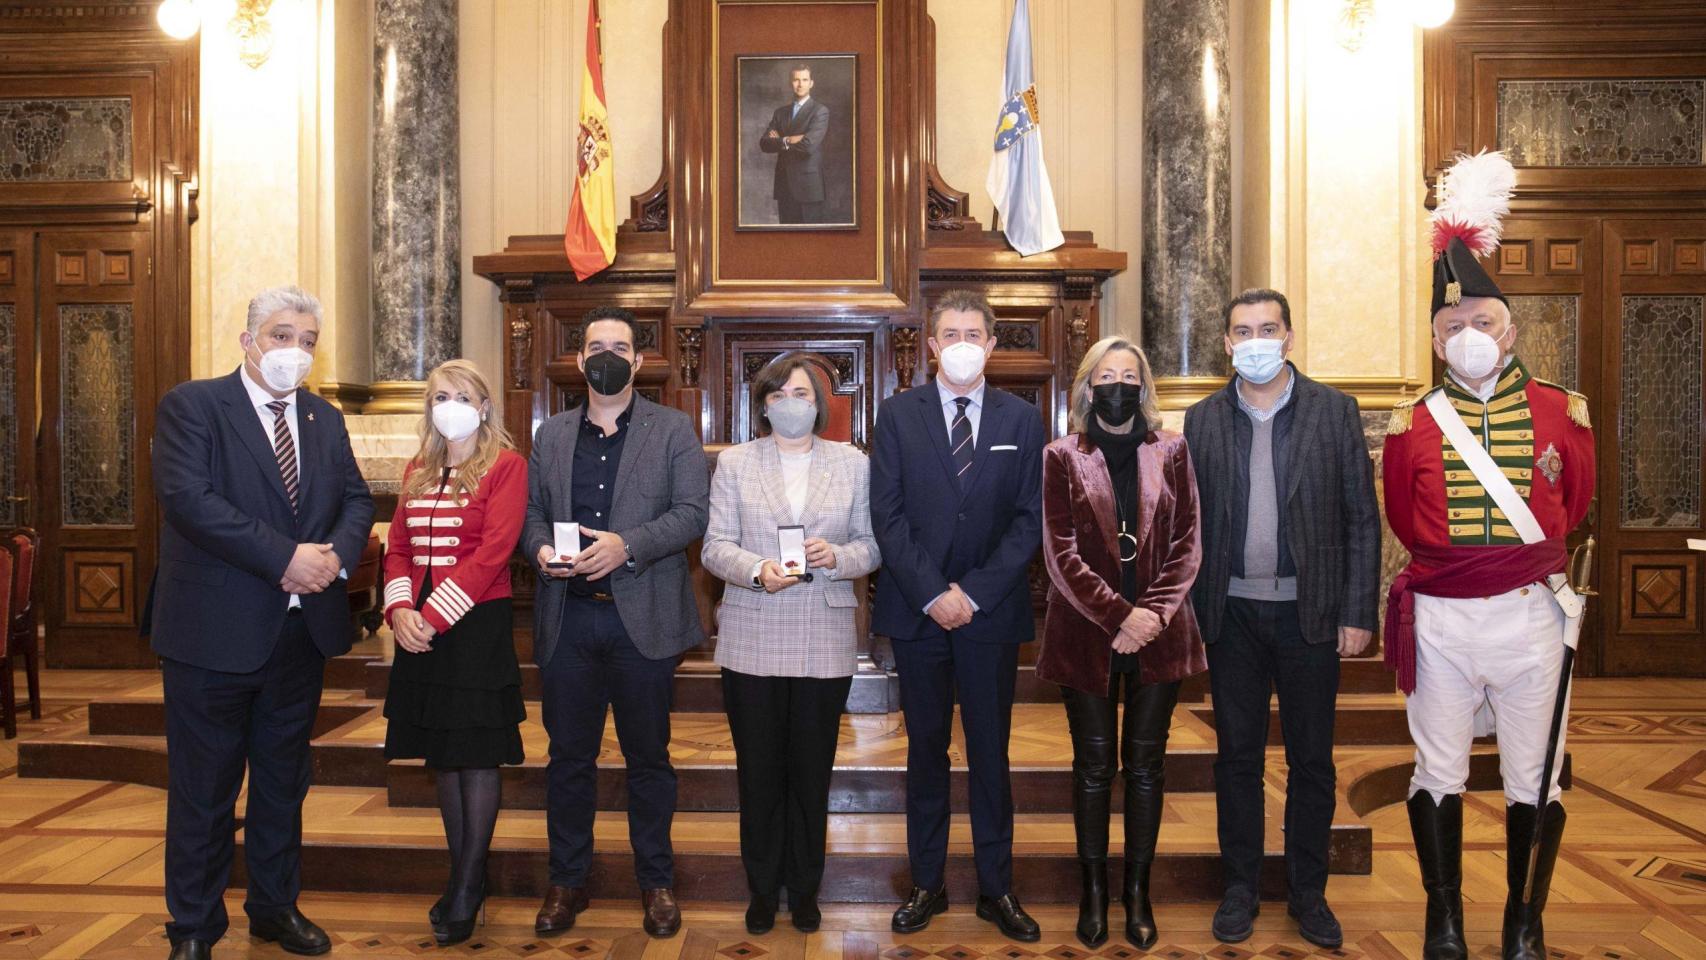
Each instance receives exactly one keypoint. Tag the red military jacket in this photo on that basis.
(1536, 432)
(464, 545)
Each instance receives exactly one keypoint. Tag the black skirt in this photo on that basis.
(459, 704)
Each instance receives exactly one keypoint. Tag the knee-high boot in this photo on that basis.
(1524, 937)
(1091, 722)
(1438, 830)
(1144, 786)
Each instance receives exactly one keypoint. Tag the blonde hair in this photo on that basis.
(1080, 392)
(430, 461)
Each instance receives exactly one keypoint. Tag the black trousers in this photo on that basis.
(785, 732)
(934, 673)
(216, 723)
(1262, 650)
(789, 210)
(1099, 741)
(596, 669)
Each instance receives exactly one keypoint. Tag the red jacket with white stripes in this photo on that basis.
(465, 545)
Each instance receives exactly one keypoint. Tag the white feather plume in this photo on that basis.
(1474, 197)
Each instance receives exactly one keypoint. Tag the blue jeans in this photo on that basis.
(596, 668)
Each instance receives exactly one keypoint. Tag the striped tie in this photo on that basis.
(959, 438)
(284, 448)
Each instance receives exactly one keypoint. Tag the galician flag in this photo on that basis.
(590, 235)
(1018, 181)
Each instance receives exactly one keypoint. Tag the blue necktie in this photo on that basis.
(959, 438)
(797, 105)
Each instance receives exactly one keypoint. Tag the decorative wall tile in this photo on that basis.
(1658, 425)
(1603, 123)
(97, 413)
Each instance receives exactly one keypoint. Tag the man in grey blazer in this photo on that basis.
(1288, 584)
(611, 621)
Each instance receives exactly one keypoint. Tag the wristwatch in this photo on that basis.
(629, 550)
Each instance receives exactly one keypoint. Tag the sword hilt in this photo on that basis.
(1581, 568)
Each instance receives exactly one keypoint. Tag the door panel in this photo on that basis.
(17, 379)
(1651, 422)
(94, 301)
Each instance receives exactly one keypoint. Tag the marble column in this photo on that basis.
(417, 313)
(1187, 190)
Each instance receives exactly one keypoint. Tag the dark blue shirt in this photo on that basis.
(593, 487)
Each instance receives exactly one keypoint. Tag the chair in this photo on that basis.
(8, 709)
(18, 625)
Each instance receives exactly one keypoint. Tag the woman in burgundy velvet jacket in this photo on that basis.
(1122, 546)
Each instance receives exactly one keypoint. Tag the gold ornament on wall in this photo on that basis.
(252, 30)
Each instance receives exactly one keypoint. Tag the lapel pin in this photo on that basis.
(310, 418)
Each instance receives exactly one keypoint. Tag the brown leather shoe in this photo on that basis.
(562, 905)
(663, 917)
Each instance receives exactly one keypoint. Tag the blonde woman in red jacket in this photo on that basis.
(455, 691)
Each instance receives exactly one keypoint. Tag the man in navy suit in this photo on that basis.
(795, 136)
(956, 504)
(263, 512)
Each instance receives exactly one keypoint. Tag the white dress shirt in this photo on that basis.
(259, 397)
(950, 409)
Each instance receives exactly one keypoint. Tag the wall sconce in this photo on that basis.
(178, 18)
(254, 34)
(1355, 17)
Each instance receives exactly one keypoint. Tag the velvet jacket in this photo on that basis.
(1081, 551)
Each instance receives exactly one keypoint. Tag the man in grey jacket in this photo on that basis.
(612, 619)
(1289, 582)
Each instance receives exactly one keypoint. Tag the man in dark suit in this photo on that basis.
(1290, 573)
(956, 505)
(264, 511)
(611, 625)
(796, 137)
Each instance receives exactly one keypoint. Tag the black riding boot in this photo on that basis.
(1524, 937)
(1148, 715)
(1091, 720)
(1438, 830)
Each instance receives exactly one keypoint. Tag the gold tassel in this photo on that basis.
(1578, 410)
(1402, 413)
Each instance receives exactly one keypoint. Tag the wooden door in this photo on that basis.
(18, 423)
(1650, 419)
(94, 308)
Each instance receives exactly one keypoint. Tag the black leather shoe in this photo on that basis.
(760, 915)
(914, 915)
(291, 930)
(192, 950)
(1235, 919)
(806, 915)
(1010, 918)
(1315, 921)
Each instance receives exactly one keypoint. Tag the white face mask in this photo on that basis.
(962, 363)
(1472, 355)
(285, 368)
(1258, 360)
(455, 420)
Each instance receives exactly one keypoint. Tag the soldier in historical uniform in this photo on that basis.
(1477, 623)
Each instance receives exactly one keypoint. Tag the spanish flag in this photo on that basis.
(590, 235)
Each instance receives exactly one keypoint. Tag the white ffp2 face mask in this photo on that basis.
(1472, 355)
(962, 362)
(284, 368)
(455, 420)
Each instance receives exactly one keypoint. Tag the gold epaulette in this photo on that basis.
(1402, 414)
(1577, 407)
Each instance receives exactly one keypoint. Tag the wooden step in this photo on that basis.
(353, 841)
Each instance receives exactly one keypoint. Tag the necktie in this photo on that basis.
(797, 105)
(959, 438)
(284, 448)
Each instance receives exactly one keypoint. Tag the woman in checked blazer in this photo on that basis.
(787, 644)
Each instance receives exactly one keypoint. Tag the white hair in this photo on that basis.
(279, 299)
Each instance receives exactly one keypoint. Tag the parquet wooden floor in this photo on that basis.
(80, 860)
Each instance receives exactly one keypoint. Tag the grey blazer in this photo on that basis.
(806, 630)
(660, 508)
(1332, 522)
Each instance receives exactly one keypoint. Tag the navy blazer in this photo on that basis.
(227, 532)
(934, 530)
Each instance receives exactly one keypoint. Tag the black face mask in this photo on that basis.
(1116, 403)
(607, 373)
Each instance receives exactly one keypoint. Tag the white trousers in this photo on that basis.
(1504, 651)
